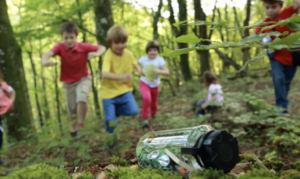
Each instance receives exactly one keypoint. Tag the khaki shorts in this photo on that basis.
(77, 92)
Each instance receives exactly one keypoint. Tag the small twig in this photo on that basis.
(259, 162)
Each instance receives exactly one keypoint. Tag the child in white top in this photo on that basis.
(215, 93)
(153, 67)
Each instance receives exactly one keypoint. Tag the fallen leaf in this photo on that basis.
(134, 167)
(100, 176)
(110, 167)
(76, 175)
(241, 168)
(133, 160)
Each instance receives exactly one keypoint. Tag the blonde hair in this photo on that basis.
(116, 34)
(209, 78)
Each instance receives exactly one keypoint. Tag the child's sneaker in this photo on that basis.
(283, 113)
(73, 134)
(145, 123)
(80, 126)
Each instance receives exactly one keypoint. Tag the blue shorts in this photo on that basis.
(123, 105)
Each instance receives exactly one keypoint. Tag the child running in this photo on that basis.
(7, 98)
(215, 93)
(116, 84)
(283, 68)
(150, 87)
(74, 72)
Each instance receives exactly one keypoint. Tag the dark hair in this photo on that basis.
(69, 27)
(116, 34)
(152, 44)
(1, 77)
(209, 78)
(273, 1)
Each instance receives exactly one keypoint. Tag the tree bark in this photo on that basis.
(246, 51)
(103, 20)
(156, 19)
(57, 100)
(35, 90)
(201, 32)
(94, 89)
(11, 65)
(184, 58)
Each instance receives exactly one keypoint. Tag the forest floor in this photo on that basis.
(272, 138)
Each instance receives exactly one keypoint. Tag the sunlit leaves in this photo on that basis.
(188, 39)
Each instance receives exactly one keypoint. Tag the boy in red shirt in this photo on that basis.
(283, 70)
(74, 72)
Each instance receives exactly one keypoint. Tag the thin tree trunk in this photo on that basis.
(184, 58)
(11, 65)
(36, 87)
(57, 100)
(201, 32)
(246, 51)
(156, 19)
(103, 20)
(95, 92)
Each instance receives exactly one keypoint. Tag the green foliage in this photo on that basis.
(95, 161)
(259, 173)
(118, 161)
(211, 174)
(290, 174)
(150, 76)
(148, 173)
(86, 175)
(38, 171)
(273, 164)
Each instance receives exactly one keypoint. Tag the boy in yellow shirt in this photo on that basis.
(116, 84)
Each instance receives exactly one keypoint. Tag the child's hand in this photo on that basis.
(142, 73)
(156, 71)
(48, 63)
(126, 77)
(91, 55)
(296, 4)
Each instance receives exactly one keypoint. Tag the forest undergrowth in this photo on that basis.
(246, 114)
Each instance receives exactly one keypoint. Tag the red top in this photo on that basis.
(73, 61)
(283, 57)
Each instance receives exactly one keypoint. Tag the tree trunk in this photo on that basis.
(156, 19)
(201, 32)
(57, 100)
(11, 65)
(103, 20)
(94, 89)
(35, 90)
(246, 51)
(184, 59)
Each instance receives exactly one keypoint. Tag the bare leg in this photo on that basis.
(73, 121)
(81, 111)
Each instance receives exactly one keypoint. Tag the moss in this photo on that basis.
(247, 158)
(39, 171)
(273, 164)
(211, 174)
(148, 173)
(94, 161)
(258, 173)
(118, 161)
(86, 175)
(290, 174)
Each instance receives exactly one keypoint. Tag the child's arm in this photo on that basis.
(112, 76)
(45, 59)
(162, 71)
(99, 52)
(204, 106)
(138, 69)
(12, 96)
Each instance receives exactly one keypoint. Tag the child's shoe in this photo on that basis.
(73, 134)
(284, 113)
(80, 126)
(145, 123)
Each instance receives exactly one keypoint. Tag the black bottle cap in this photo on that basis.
(216, 149)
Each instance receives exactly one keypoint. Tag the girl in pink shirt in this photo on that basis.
(215, 94)
(7, 97)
